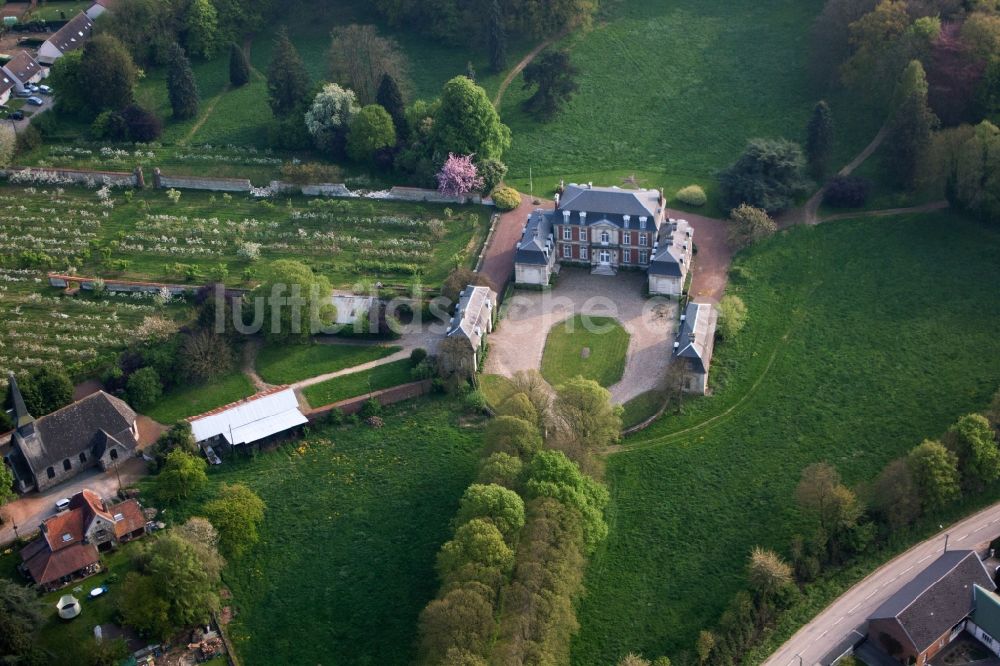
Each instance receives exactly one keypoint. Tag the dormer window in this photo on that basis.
(566, 217)
(66, 538)
(583, 217)
(625, 219)
(642, 222)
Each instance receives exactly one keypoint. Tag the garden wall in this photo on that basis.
(327, 190)
(385, 397)
(78, 176)
(418, 194)
(201, 183)
(87, 283)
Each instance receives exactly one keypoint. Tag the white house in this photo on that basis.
(695, 343)
(68, 38)
(247, 421)
(23, 69)
(6, 85)
(535, 259)
(671, 262)
(473, 320)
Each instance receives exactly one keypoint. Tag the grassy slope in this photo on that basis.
(606, 340)
(671, 91)
(284, 364)
(354, 519)
(199, 398)
(864, 351)
(359, 383)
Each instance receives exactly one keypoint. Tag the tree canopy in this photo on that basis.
(360, 57)
(239, 67)
(109, 78)
(935, 472)
(501, 506)
(554, 76)
(238, 513)
(371, 130)
(330, 117)
(296, 303)
(287, 78)
(466, 122)
(588, 413)
(183, 475)
(182, 89)
(769, 174)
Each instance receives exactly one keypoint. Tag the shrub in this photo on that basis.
(144, 388)
(692, 195)
(475, 401)
(143, 126)
(374, 422)
(732, 316)
(492, 173)
(372, 407)
(847, 192)
(28, 139)
(506, 198)
(311, 172)
(336, 416)
(417, 355)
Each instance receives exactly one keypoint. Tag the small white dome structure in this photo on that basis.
(68, 607)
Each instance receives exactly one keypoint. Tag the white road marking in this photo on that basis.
(837, 622)
(856, 606)
(905, 570)
(871, 594)
(961, 537)
(823, 634)
(925, 557)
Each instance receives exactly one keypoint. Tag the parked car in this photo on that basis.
(35, 101)
(45, 90)
(23, 93)
(17, 115)
(62, 505)
(32, 87)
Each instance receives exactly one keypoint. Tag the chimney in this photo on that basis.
(676, 345)
(590, 185)
(662, 200)
(557, 200)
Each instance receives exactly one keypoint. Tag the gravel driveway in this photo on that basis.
(519, 341)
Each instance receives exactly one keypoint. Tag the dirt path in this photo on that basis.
(498, 260)
(249, 365)
(519, 67)
(925, 208)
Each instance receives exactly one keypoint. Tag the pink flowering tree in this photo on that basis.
(458, 176)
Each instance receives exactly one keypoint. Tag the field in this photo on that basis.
(860, 352)
(593, 347)
(358, 383)
(354, 519)
(671, 90)
(195, 399)
(56, 10)
(285, 364)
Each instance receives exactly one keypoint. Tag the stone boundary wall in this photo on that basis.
(327, 190)
(486, 243)
(418, 194)
(62, 281)
(79, 176)
(201, 183)
(385, 397)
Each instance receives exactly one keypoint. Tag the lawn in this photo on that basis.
(593, 347)
(359, 383)
(670, 90)
(866, 337)
(641, 407)
(55, 10)
(285, 364)
(195, 399)
(495, 388)
(354, 519)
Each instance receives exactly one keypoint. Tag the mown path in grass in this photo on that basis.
(524, 62)
(842, 360)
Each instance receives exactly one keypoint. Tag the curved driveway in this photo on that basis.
(850, 611)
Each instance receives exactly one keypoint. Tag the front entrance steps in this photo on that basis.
(603, 269)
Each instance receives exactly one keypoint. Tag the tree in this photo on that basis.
(296, 300)
(831, 34)
(633, 659)
(492, 172)
(204, 356)
(478, 543)
(201, 28)
(975, 175)
(705, 645)
(179, 436)
(514, 436)
(879, 43)
(144, 388)
(588, 413)
(908, 141)
(371, 130)
(555, 76)
(981, 34)
(390, 98)
(143, 125)
(767, 572)
(894, 495)
(45, 389)
(972, 440)
(199, 531)
(552, 474)
(732, 316)
(987, 96)
(502, 507)
(287, 78)
(458, 176)
(183, 475)
(330, 117)
(239, 66)
(497, 38)
(21, 615)
(359, 58)
(502, 469)
(750, 225)
(182, 89)
(769, 174)
(819, 139)
(935, 473)
(8, 145)
(146, 27)
(186, 575)
(461, 620)
(6, 485)
(237, 513)
(519, 405)
(65, 76)
(831, 504)
(466, 122)
(458, 280)
(109, 77)
(142, 607)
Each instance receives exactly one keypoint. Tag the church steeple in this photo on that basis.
(21, 415)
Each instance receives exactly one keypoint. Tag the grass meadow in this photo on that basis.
(864, 337)
(594, 349)
(285, 364)
(195, 399)
(359, 383)
(354, 519)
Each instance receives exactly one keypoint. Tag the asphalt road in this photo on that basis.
(849, 612)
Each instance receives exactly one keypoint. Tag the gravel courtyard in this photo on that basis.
(520, 339)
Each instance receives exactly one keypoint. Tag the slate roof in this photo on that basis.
(612, 201)
(74, 34)
(87, 425)
(696, 337)
(472, 316)
(938, 598)
(531, 249)
(672, 253)
(22, 67)
(6, 82)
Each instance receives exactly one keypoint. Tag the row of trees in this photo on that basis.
(514, 567)
(846, 522)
